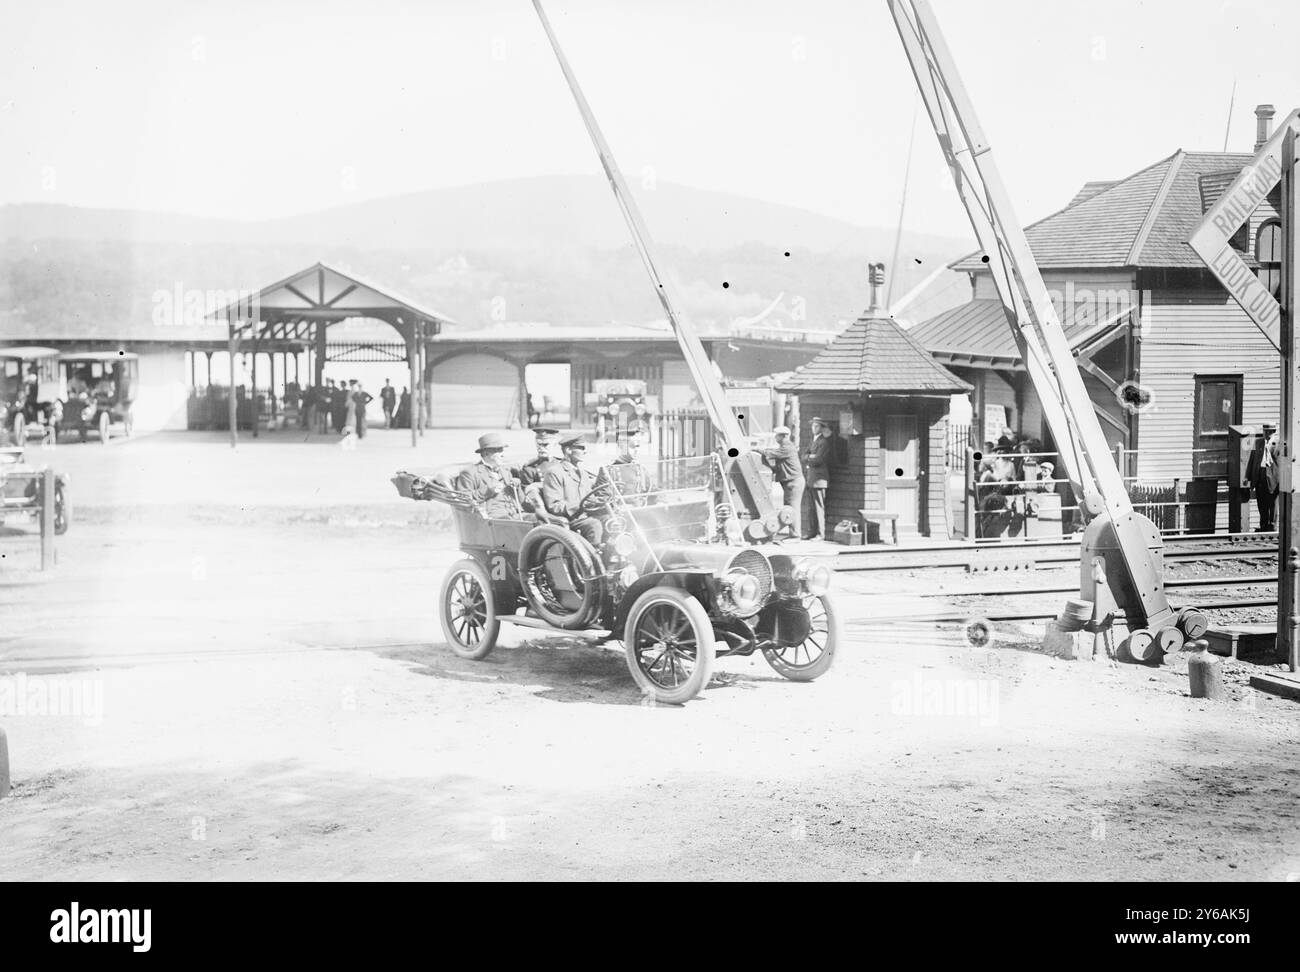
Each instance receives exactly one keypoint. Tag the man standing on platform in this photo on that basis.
(1261, 473)
(388, 399)
(784, 460)
(819, 456)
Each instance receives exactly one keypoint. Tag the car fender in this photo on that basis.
(695, 582)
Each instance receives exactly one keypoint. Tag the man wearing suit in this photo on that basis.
(1261, 473)
(565, 484)
(488, 482)
(388, 398)
(339, 405)
(819, 456)
(784, 460)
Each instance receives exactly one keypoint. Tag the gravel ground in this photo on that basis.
(277, 703)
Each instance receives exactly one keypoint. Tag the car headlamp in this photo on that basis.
(785, 515)
(628, 575)
(734, 530)
(624, 544)
(815, 579)
(744, 592)
(757, 530)
(772, 524)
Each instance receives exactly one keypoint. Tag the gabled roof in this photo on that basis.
(977, 334)
(876, 356)
(1141, 221)
(323, 292)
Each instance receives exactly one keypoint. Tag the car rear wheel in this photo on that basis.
(468, 612)
(814, 652)
(669, 644)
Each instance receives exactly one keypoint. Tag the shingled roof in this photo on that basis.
(875, 356)
(1141, 221)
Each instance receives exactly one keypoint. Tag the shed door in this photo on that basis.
(474, 391)
(901, 472)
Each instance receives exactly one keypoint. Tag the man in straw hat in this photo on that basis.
(489, 483)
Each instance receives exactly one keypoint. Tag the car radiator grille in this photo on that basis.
(753, 562)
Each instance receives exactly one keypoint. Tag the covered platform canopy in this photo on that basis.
(301, 307)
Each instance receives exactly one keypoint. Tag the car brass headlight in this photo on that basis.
(813, 578)
(757, 530)
(624, 544)
(743, 592)
(628, 576)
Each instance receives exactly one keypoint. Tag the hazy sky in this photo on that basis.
(252, 110)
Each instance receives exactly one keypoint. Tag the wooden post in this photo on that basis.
(321, 351)
(252, 390)
(412, 359)
(1288, 512)
(234, 405)
(47, 518)
(971, 480)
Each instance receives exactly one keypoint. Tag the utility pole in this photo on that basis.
(1288, 565)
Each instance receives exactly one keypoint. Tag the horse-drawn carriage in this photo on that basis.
(672, 579)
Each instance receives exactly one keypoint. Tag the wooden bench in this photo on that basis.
(880, 517)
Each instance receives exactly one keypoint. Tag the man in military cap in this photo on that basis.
(626, 472)
(567, 483)
(488, 482)
(784, 460)
(532, 472)
(819, 456)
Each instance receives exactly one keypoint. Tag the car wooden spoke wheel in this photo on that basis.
(669, 644)
(808, 648)
(469, 617)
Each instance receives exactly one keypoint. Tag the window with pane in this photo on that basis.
(1268, 251)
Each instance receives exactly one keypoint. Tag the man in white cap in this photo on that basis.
(784, 460)
(489, 483)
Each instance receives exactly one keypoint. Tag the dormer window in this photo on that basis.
(1268, 252)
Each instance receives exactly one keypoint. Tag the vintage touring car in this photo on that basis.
(29, 392)
(672, 579)
(101, 392)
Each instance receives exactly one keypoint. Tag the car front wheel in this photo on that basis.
(669, 644)
(811, 652)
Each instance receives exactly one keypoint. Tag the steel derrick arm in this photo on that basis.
(1116, 530)
(745, 464)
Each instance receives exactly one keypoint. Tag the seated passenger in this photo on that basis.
(626, 473)
(489, 483)
(566, 484)
(532, 472)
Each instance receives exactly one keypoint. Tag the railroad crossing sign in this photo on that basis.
(1225, 218)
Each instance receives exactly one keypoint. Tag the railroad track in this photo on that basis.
(995, 555)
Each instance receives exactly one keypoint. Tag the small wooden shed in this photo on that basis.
(887, 399)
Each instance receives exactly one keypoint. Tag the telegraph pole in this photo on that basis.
(1288, 514)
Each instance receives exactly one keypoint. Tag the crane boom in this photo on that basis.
(1127, 541)
(745, 464)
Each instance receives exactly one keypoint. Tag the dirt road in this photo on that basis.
(275, 702)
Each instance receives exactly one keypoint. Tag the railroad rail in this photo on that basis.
(1005, 554)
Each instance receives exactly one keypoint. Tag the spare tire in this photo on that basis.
(562, 577)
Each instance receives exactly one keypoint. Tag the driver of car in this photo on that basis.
(489, 483)
(566, 484)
